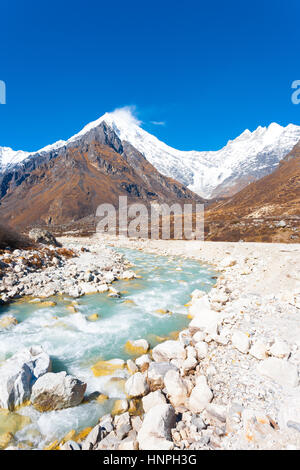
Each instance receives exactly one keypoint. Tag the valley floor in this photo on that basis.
(249, 353)
(231, 379)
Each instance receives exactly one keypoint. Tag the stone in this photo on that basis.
(198, 422)
(57, 391)
(281, 224)
(157, 372)
(106, 422)
(137, 347)
(184, 337)
(129, 443)
(201, 349)
(280, 371)
(128, 275)
(136, 385)
(43, 236)
(131, 366)
(217, 411)
(7, 321)
(19, 373)
(93, 317)
(198, 336)
(136, 423)
(189, 364)
(197, 294)
(120, 406)
(280, 349)
(153, 399)
(123, 425)
(240, 341)
(176, 388)
(93, 438)
(228, 262)
(143, 361)
(204, 318)
(155, 432)
(168, 350)
(258, 350)
(110, 442)
(201, 395)
(102, 368)
(101, 288)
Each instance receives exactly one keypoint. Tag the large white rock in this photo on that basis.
(136, 385)
(202, 349)
(19, 373)
(168, 350)
(280, 371)
(258, 350)
(57, 391)
(157, 372)
(155, 432)
(204, 318)
(153, 399)
(128, 275)
(227, 262)
(176, 388)
(240, 341)
(198, 304)
(280, 349)
(143, 360)
(197, 294)
(201, 395)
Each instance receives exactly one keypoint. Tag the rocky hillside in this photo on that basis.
(66, 184)
(266, 210)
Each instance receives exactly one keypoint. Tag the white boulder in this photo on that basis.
(227, 262)
(202, 349)
(240, 341)
(201, 395)
(168, 350)
(280, 349)
(136, 385)
(279, 371)
(176, 388)
(258, 350)
(155, 432)
(157, 372)
(19, 373)
(153, 399)
(57, 391)
(204, 318)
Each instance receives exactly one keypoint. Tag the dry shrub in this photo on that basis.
(67, 253)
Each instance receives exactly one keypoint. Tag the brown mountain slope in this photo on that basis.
(66, 186)
(266, 210)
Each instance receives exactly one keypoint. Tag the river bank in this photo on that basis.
(88, 338)
(74, 269)
(231, 380)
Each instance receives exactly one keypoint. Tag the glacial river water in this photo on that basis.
(75, 344)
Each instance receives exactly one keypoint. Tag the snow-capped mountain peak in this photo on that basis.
(248, 157)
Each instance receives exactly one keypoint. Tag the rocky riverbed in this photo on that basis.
(229, 381)
(75, 269)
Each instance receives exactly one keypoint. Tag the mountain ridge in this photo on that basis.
(210, 174)
(67, 184)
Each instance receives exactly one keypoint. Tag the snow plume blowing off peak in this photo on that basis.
(127, 114)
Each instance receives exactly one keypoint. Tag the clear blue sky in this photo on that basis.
(208, 69)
